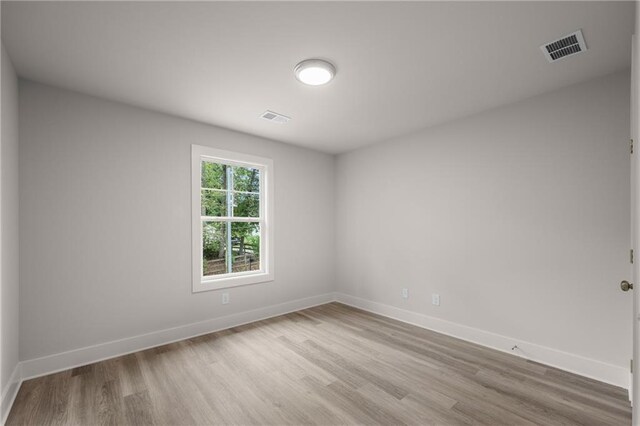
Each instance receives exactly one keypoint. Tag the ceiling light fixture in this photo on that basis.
(315, 72)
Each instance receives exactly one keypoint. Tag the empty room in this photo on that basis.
(319, 213)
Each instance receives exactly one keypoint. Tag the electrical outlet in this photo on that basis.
(405, 293)
(225, 298)
(435, 299)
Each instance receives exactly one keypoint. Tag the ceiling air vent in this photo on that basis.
(274, 117)
(568, 45)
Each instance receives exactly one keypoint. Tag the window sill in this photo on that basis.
(237, 281)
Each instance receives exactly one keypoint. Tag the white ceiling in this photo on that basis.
(401, 66)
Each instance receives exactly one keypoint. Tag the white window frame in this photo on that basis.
(234, 279)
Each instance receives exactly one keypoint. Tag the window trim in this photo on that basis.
(234, 279)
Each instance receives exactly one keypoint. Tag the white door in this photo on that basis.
(635, 231)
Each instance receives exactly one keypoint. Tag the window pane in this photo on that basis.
(214, 248)
(246, 205)
(214, 202)
(246, 246)
(214, 175)
(246, 179)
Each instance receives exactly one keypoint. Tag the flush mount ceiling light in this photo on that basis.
(315, 72)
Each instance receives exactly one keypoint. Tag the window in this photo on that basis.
(231, 218)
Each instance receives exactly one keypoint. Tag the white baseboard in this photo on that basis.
(10, 392)
(90, 354)
(573, 363)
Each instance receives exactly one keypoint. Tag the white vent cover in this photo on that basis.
(274, 117)
(569, 45)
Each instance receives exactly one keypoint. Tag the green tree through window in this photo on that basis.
(230, 211)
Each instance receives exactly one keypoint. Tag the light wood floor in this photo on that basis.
(327, 365)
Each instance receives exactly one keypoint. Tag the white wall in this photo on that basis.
(518, 217)
(105, 222)
(8, 232)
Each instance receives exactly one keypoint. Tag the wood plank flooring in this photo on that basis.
(327, 365)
